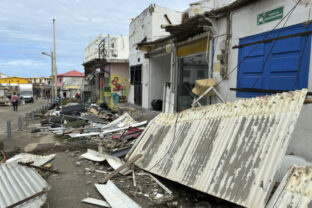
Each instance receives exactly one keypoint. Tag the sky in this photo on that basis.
(26, 30)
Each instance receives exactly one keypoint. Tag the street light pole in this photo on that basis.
(52, 68)
(54, 63)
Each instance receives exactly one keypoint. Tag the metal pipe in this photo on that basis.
(19, 123)
(9, 129)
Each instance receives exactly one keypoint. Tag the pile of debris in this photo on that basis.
(232, 152)
(92, 124)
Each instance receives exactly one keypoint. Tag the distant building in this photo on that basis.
(107, 69)
(40, 80)
(13, 81)
(70, 83)
(107, 46)
(41, 85)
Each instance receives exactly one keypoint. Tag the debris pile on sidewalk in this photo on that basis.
(94, 125)
(224, 155)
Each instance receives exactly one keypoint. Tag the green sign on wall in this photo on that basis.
(270, 16)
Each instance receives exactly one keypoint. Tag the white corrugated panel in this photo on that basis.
(124, 120)
(19, 182)
(38, 160)
(295, 190)
(229, 150)
(115, 197)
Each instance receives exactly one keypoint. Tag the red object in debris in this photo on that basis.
(130, 131)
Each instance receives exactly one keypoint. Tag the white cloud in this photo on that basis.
(26, 29)
(22, 62)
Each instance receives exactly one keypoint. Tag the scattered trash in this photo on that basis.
(38, 167)
(115, 197)
(96, 202)
(121, 168)
(94, 156)
(35, 130)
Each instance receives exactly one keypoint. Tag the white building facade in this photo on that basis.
(255, 47)
(144, 28)
(107, 46)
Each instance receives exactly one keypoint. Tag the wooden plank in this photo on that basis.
(118, 170)
(27, 199)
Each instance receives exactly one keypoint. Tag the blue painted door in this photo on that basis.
(276, 65)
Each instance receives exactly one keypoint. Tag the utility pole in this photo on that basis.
(54, 63)
(52, 73)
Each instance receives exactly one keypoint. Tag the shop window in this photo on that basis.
(191, 68)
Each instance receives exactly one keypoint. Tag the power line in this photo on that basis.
(273, 45)
(236, 67)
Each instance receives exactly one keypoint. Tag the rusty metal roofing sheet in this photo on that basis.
(295, 190)
(229, 150)
(19, 182)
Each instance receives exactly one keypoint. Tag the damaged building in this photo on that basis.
(147, 84)
(243, 49)
(216, 114)
(107, 70)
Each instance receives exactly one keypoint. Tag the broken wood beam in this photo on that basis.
(124, 166)
(27, 199)
(38, 167)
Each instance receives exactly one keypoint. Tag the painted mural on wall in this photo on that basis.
(119, 89)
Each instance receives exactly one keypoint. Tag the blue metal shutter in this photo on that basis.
(277, 65)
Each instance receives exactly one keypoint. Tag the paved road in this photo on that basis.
(7, 113)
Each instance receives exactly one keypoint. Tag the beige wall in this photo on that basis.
(122, 69)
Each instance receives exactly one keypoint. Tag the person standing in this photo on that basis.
(14, 101)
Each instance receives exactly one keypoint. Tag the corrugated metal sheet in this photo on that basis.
(124, 120)
(19, 182)
(37, 160)
(229, 150)
(295, 190)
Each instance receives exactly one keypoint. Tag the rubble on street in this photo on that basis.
(126, 153)
(209, 107)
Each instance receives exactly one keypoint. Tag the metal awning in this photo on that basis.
(181, 32)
